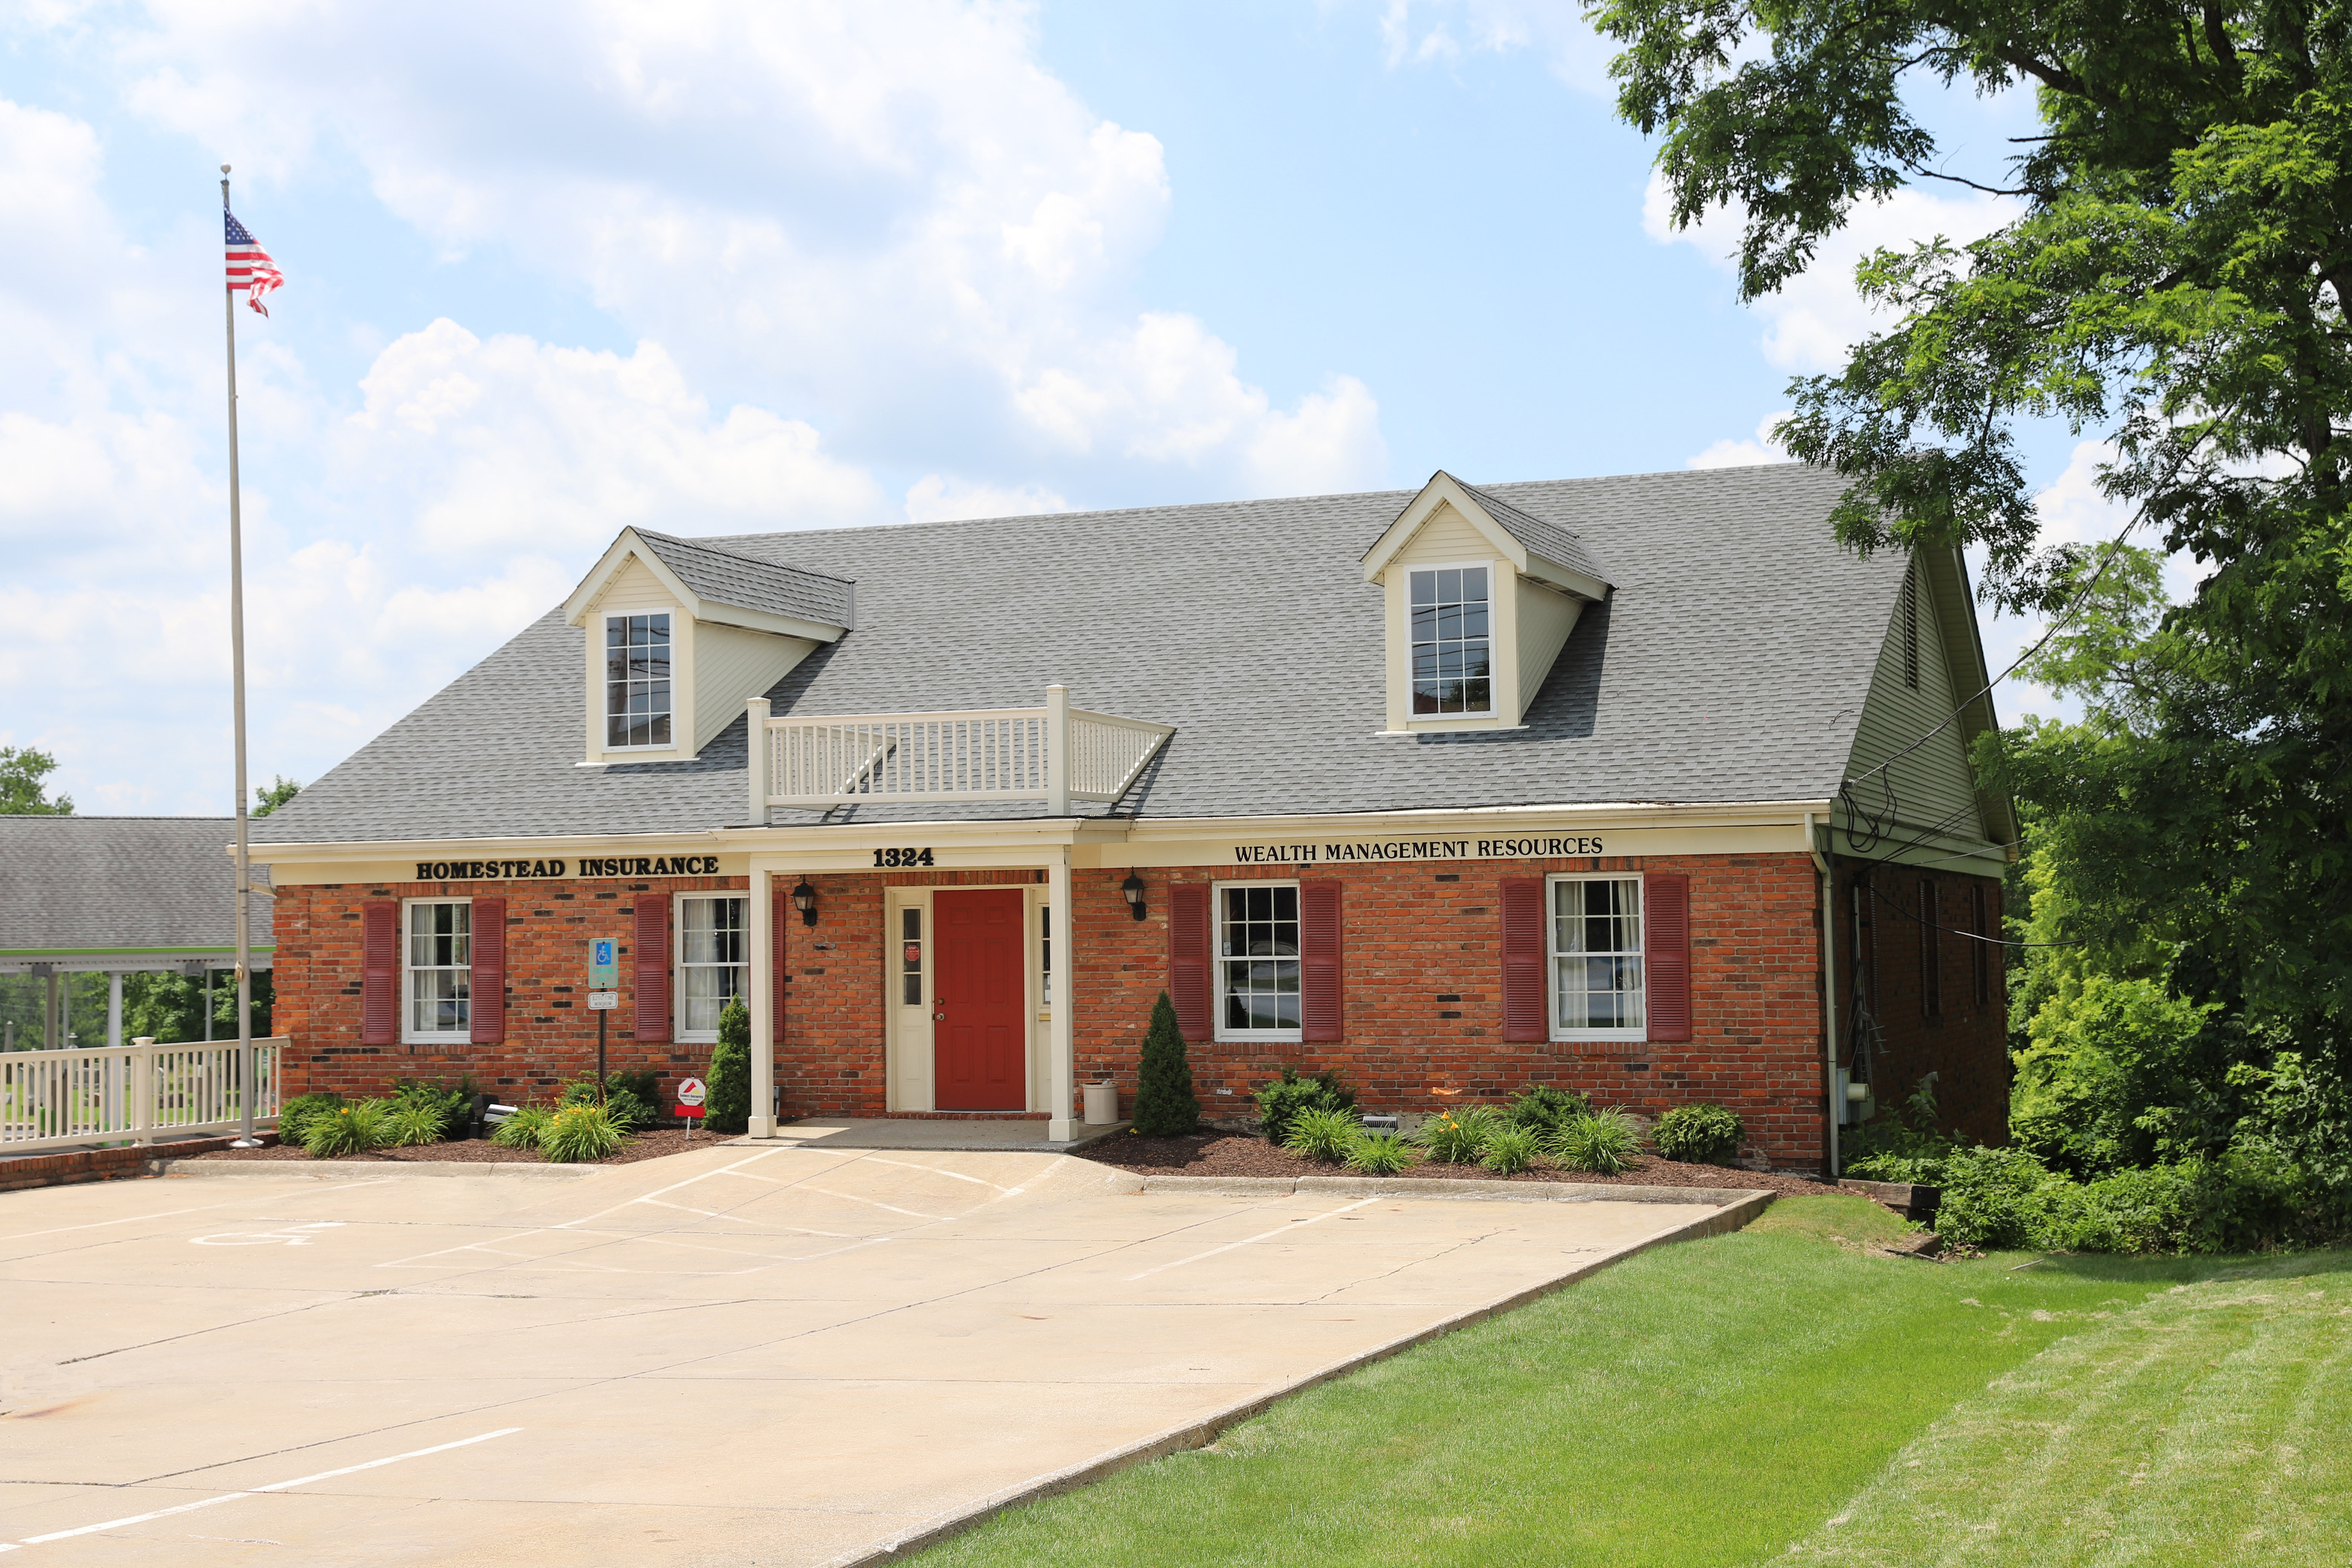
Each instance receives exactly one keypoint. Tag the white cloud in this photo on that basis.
(1729, 453)
(937, 499)
(1813, 319)
(1421, 32)
(833, 203)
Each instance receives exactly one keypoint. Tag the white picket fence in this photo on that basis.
(61, 1100)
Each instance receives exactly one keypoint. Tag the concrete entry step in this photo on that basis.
(1025, 1136)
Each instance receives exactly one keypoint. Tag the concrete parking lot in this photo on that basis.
(776, 1355)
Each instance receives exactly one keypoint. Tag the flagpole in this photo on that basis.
(244, 1137)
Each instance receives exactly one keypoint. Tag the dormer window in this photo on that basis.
(1452, 660)
(637, 681)
(1479, 598)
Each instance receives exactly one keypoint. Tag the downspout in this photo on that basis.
(1829, 999)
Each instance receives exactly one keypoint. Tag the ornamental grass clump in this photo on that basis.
(1324, 1135)
(1381, 1154)
(577, 1134)
(449, 1109)
(1602, 1141)
(521, 1130)
(294, 1118)
(1458, 1137)
(356, 1129)
(1510, 1150)
(1699, 1134)
(406, 1126)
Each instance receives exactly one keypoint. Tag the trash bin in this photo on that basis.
(1102, 1104)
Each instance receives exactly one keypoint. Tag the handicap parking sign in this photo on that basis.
(604, 964)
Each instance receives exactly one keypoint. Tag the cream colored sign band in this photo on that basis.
(1534, 848)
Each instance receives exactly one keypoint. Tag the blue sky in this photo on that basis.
(713, 266)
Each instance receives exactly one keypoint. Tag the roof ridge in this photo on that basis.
(694, 543)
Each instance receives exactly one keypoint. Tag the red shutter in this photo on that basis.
(1665, 897)
(379, 972)
(488, 983)
(782, 912)
(649, 965)
(1188, 958)
(1320, 933)
(1527, 1011)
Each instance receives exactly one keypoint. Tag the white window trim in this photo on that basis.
(410, 1035)
(1484, 717)
(678, 966)
(603, 718)
(1552, 959)
(1217, 961)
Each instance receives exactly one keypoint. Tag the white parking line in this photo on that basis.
(937, 1171)
(253, 1492)
(1246, 1240)
(853, 1197)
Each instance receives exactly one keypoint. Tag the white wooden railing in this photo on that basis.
(1055, 754)
(137, 1093)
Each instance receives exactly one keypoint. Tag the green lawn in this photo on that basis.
(1777, 1395)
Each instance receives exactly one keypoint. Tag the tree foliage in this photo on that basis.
(2174, 280)
(727, 1093)
(21, 789)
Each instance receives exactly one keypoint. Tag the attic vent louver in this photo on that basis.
(1908, 614)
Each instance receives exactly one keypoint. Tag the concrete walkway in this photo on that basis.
(742, 1356)
(1022, 1136)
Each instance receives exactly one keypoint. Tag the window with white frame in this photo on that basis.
(1596, 958)
(1257, 960)
(713, 939)
(1453, 657)
(436, 954)
(637, 681)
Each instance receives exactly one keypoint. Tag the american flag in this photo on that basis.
(250, 266)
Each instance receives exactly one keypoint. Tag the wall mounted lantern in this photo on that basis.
(1132, 890)
(804, 900)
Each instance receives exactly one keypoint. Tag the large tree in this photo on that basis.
(22, 793)
(2174, 281)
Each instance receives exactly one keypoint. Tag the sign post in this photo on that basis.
(603, 995)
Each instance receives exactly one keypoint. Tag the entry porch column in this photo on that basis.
(765, 943)
(1061, 1072)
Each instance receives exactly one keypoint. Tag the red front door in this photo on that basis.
(979, 994)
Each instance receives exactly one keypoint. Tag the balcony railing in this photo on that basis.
(1055, 754)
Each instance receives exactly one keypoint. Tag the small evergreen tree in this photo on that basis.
(727, 1103)
(1165, 1106)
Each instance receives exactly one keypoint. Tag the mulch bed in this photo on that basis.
(482, 1151)
(1231, 1155)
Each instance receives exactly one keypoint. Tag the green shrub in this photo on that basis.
(1544, 1110)
(522, 1129)
(353, 1129)
(1698, 1134)
(1381, 1154)
(449, 1107)
(1323, 1134)
(1282, 1101)
(727, 1100)
(1165, 1105)
(643, 1082)
(630, 1112)
(1915, 1168)
(406, 1126)
(1458, 1137)
(576, 1134)
(1510, 1149)
(1603, 1141)
(295, 1116)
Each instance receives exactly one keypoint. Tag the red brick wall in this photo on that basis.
(1965, 1043)
(1422, 969)
(550, 1033)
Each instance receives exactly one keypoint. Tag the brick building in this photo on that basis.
(1640, 786)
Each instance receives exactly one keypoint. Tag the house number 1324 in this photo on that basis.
(902, 857)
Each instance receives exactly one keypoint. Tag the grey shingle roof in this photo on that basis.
(1545, 538)
(726, 577)
(1729, 663)
(121, 881)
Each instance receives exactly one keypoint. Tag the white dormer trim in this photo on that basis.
(628, 546)
(720, 654)
(1443, 490)
(1532, 604)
